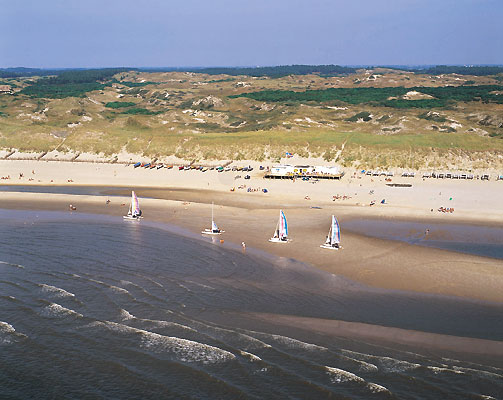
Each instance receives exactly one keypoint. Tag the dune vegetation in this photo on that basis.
(374, 117)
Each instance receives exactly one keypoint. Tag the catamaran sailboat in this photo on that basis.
(334, 236)
(281, 232)
(134, 212)
(214, 228)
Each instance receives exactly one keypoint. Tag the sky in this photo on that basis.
(173, 33)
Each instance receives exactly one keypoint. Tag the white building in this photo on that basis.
(304, 170)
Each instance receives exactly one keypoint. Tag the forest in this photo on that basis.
(279, 71)
(461, 70)
(388, 96)
(71, 83)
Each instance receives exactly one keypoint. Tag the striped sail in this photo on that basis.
(335, 237)
(135, 205)
(283, 227)
(214, 226)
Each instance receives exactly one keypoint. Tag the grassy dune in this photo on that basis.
(198, 116)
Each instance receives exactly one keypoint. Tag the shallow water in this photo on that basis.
(99, 307)
(486, 241)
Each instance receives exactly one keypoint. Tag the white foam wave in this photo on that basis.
(119, 289)
(375, 388)
(487, 374)
(185, 350)
(58, 292)
(166, 324)
(340, 376)
(250, 356)
(388, 364)
(56, 310)
(337, 375)
(8, 334)
(5, 327)
(12, 265)
(294, 343)
(384, 364)
(182, 349)
(232, 337)
(437, 370)
(201, 285)
(125, 315)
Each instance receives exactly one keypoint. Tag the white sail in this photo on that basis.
(134, 212)
(135, 204)
(334, 236)
(214, 230)
(281, 231)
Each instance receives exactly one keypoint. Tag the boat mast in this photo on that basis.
(276, 232)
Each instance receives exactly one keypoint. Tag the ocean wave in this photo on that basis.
(251, 357)
(125, 315)
(201, 285)
(8, 334)
(437, 370)
(293, 343)
(12, 265)
(375, 388)
(118, 289)
(233, 338)
(185, 350)
(384, 364)
(166, 324)
(58, 292)
(57, 310)
(340, 376)
(5, 327)
(182, 350)
(480, 373)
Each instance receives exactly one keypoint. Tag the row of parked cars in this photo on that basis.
(191, 167)
(378, 173)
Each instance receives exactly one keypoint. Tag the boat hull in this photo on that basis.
(131, 218)
(327, 246)
(278, 240)
(210, 232)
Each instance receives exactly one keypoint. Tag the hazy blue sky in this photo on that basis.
(97, 33)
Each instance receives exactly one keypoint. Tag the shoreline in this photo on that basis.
(246, 213)
(385, 264)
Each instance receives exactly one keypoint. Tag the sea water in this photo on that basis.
(486, 241)
(96, 307)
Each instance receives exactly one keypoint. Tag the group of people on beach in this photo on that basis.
(446, 210)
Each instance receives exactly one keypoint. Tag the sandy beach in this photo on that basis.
(183, 198)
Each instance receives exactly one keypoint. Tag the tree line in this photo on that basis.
(387, 96)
